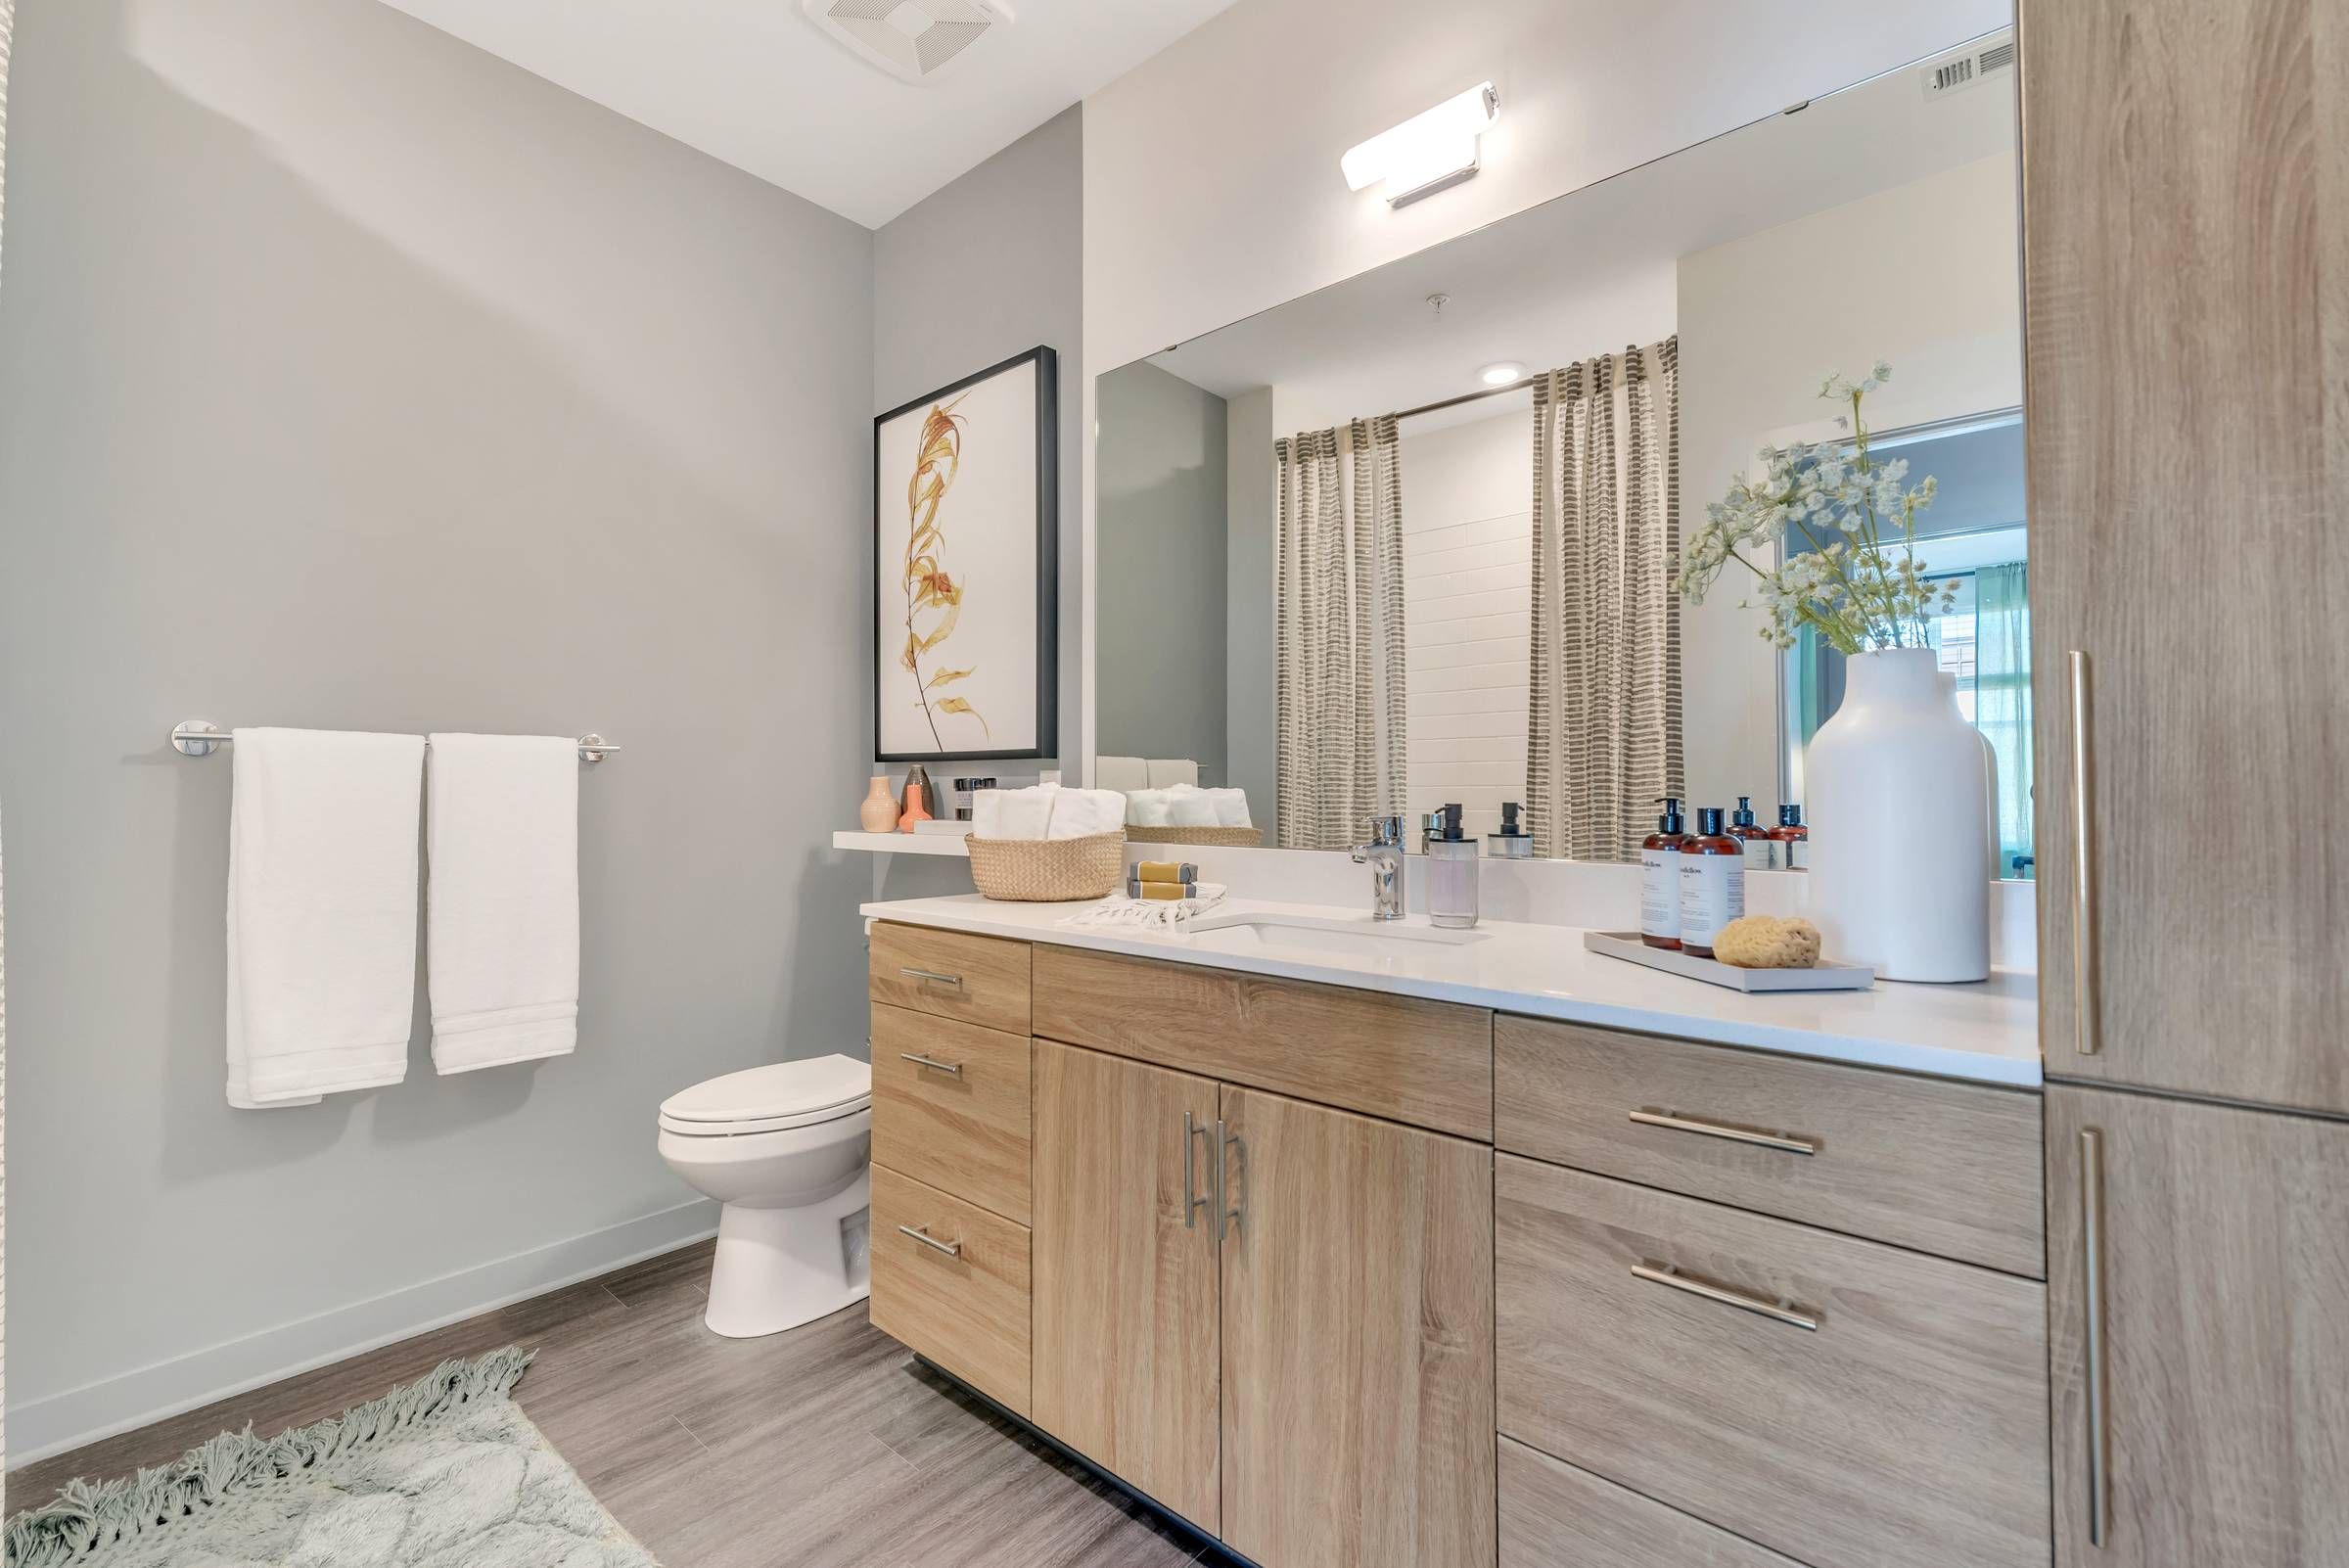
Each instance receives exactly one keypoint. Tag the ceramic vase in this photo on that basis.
(1897, 795)
(915, 807)
(879, 811)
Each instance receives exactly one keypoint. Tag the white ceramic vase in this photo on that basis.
(1897, 799)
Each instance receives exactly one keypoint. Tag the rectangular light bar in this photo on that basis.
(1427, 152)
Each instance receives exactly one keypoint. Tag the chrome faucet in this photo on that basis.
(1383, 854)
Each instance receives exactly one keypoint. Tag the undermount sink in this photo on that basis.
(1356, 936)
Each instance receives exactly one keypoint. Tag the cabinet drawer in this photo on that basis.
(950, 1107)
(1950, 1169)
(1401, 1058)
(1864, 1403)
(948, 974)
(1553, 1515)
(966, 1308)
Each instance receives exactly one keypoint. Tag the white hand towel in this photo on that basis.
(1148, 808)
(502, 946)
(1165, 770)
(1084, 814)
(1232, 807)
(321, 912)
(1122, 773)
(1167, 914)
(1189, 806)
(1012, 813)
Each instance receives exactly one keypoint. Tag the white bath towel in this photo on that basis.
(1012, 813)
(321, 912)
(1188, 805)
(502, 922)
(1232, 807)
(1085, 813)
(1148, 808)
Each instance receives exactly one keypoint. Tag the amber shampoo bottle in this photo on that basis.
(1793, 839)
(1712, 867)
(1660, 877)
(1761, 850)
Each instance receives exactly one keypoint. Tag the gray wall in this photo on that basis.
(1158, 544)
(1252, 647)
(352, 378)
(985, 268)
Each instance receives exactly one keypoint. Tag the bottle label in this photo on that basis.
(1712, 895)
(1659, 893)
(1760, 854)
(1798, 854)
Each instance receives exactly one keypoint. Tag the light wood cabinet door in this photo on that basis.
(2186, 273)
(1126, 1291)
(1358, 1341)
(2219, 1240)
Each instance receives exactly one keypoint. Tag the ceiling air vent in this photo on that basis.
(1956, 72)
(913, 40)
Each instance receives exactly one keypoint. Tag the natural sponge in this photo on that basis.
(1767, 942)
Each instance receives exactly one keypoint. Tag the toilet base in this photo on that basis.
(777, 1269)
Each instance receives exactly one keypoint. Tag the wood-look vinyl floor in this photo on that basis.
(829, 1445)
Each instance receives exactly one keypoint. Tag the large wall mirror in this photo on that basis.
(1413, 540)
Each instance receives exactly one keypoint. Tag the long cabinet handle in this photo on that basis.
(930, 975)
(2085, 1039)
(952, 1249)
(1191, 1133)
(1723, 1129)
(919, 1060)
(2091, 1245)
(1777, 1312)
(1224, 1213)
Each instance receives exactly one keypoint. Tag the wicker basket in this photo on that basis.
(1229, 838)
(1048, 870)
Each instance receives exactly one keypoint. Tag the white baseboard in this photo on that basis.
(65, 1421)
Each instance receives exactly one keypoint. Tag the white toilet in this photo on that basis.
(787, 1149)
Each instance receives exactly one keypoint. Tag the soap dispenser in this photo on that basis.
(1451, 874)
(1712, 872)
(1512, 842)
(1761, 850)
(1660, 877)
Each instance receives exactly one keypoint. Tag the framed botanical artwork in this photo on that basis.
(966, 556)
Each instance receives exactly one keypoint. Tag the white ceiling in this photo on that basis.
(756, 83)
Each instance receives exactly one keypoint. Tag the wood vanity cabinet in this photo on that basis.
(2198, 1259)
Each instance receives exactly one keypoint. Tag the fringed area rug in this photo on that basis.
(444, 1473)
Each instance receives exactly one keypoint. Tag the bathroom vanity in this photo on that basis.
(1354, 1247)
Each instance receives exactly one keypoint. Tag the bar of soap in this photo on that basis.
(1768, 941)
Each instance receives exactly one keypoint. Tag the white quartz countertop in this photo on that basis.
(1987, 1033)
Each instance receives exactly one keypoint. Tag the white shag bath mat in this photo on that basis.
(443, 1473)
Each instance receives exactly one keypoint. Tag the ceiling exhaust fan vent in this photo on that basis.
(913, 40)
(1960, 72)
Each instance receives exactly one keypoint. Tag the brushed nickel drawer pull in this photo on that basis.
(952, 1249)
(954, 981)
(1227, 1215)
(1777, 1312)
(1721, 1130)
(1192, 1132)
(2086, 1038)
(2091, 1244)
(919, 1060)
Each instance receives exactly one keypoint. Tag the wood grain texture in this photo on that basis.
(2226, 1255)
(1950, 1169)
(992, 975)
(1426, 1063)
(1126, 1337)
(1911, 1426)
(823, 1447)
(969, 1314)
(1358, 1342)
(2187, 247)
(1553, 1515)
(962, 1132)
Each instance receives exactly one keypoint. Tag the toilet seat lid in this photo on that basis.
(815, 1089)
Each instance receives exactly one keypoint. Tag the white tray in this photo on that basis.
(1627, 944)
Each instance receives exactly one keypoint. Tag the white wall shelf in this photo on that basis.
(945, 844)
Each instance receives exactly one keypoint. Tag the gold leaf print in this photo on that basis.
(933, 598)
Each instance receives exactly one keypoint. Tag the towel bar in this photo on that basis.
(198, 737)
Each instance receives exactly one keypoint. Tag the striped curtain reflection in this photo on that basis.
(1341, 674)
(1603, 725)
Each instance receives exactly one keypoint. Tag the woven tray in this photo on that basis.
(1048, 870)
(1231, 838)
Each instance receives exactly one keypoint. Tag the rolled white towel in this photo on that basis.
(1085, 813)
(1189, 806)
(1232, 807)
(1148, 808)
(1012, 813)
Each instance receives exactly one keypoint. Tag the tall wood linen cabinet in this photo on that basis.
(2186, 174)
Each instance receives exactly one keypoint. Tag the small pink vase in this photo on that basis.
(879, 810)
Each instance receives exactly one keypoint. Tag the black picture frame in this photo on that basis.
(1047, 560)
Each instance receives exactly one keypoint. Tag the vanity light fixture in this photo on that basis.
(1501, 374)
(1427, 152)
